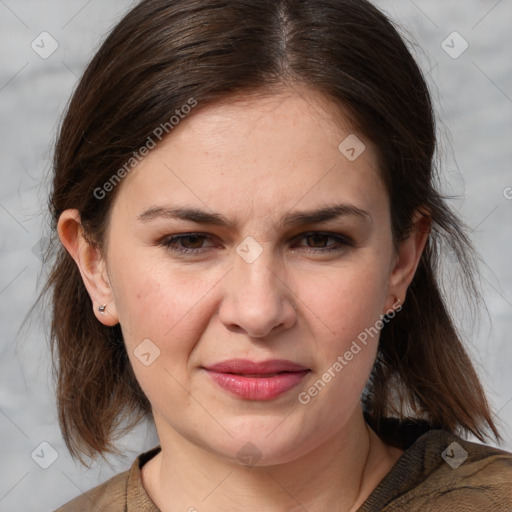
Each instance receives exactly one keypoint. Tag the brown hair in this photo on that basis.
(165, 52)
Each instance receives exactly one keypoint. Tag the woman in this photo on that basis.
(244, 193)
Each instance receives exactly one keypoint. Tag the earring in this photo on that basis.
(101, 309)
(396, 306)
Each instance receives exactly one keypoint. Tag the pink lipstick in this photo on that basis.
(263, 380)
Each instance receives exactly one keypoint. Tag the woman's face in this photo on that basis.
(261, 278)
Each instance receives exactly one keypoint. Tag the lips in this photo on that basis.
(256, 369)
(251, 380)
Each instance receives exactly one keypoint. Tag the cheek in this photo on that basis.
(170, 306)
(345, 300)
(160, 314)
(153, 303)
(345, 310)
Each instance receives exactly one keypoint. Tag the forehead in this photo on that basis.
(258, 153)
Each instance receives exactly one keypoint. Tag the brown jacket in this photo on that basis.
(437, 472)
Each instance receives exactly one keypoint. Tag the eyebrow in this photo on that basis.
(323, 214)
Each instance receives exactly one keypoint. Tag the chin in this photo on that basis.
(263, 443)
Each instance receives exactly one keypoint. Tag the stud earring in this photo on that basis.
(101, 309)
(397, 303)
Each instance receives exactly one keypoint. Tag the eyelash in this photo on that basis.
(343, 242)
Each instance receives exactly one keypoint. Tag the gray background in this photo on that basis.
(473, 100)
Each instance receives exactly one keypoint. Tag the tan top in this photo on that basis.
(431, 475)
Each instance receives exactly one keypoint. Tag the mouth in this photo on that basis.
(256, 385)
(257, 375)
(251, 368)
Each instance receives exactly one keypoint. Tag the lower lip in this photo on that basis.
(257, 388)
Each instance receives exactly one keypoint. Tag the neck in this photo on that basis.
(339, 474)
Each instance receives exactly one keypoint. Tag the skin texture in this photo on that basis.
(253, 161)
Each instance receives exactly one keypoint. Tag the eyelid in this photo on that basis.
(343, 240)
(341, 236)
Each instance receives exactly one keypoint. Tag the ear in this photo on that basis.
(91, 265)
(407, 259)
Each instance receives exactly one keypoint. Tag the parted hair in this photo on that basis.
(163, 53)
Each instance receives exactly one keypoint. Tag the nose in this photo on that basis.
(258, 297)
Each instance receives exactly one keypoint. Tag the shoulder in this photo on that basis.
(121, 493)
(109, 496)
(458, 475)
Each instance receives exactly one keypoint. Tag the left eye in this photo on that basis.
(191, 243)
(321, 238)
(194, 239)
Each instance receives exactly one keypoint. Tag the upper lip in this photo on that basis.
(245, 366)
